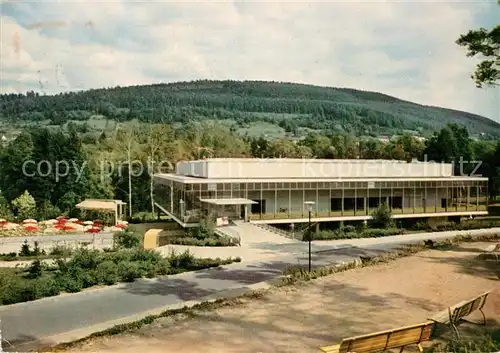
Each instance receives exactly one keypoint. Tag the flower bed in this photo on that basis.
(61, 225)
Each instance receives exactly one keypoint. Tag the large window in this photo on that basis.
(259, 207)
(336, 204)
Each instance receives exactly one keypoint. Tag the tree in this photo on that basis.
(24, 205)
(13, 180)
(128, 137)
(5, 211)
(320, 145)
(451, 144)
(485, 43)
(160, 147)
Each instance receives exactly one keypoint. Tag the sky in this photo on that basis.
(402, 48)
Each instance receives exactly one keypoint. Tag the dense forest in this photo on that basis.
(56, 168)
(59, 156)
(288, 105)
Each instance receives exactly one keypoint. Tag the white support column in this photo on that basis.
(275, 201)
(403, 199)
(425, 197)
(414, 197)
(436, 192)
(355, 198)
(261, 201)
(289, 200)
(317, 200)
(477, 197)
(342, 199)
(171, 199)
(329, 199)
(303, 198)
(367, 203)
(468, 198)
(446, 208)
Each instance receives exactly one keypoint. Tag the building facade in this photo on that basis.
(277, 190)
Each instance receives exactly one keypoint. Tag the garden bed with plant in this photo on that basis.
(27, 254)
(88, 268)
(204, 235)
(73, 270)
(382, 224)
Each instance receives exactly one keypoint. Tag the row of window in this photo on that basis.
(329, 185)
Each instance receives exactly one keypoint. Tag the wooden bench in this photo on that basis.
(384, 340)
(456, 313)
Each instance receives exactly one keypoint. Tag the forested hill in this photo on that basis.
(288, 105)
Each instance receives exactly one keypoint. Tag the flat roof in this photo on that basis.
(193, 180)
(301, 160)
(236, 201)
(91, 204)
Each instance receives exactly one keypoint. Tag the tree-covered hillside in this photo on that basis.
(288, 105)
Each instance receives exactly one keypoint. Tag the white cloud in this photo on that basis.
(400, 48)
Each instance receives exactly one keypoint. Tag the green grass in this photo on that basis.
(259, 128)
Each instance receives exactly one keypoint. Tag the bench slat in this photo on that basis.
(331, 349)
(460, 310)
(383, 340)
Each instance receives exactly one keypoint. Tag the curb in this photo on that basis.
(75, 335)
(79, 334)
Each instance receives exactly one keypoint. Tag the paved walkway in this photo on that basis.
(30, 321)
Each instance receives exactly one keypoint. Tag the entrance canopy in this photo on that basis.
(228, 201)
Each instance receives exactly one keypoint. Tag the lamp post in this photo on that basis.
(309, 205)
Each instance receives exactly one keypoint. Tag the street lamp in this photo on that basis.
(309, 205)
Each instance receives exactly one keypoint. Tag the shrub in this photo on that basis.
(37, 251)
(480, 344)
(128, 271)
(68, 283)
(184, 260)
(127, 239)
(60, 250)
(12, 256)
(381, 217)
(376, 233)
(107, 272)
(214, 240)
(348, 228)
(143, 217)
(25, 249)
(35, 269)
(368, 233)
(145, 255)
(163, 267)
(85, 259)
